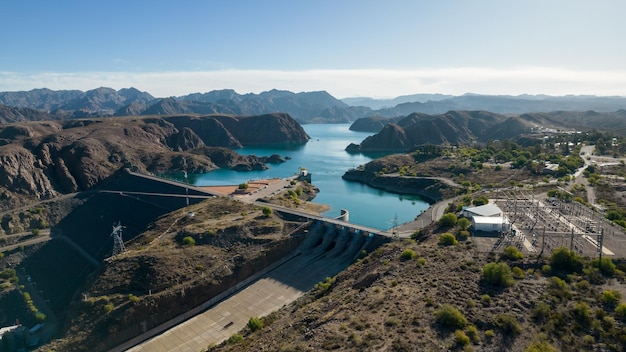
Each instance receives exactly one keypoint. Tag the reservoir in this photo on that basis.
(325, 158)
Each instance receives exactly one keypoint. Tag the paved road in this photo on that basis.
(43, 236)
(586, 153)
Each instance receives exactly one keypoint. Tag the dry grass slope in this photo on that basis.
(389, 302)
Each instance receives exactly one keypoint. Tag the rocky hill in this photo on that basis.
(426, 296)
(44, 159)
(373, 123)
(75, 103)
(453, 127)
(11, 114)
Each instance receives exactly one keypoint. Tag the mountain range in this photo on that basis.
(305, 107)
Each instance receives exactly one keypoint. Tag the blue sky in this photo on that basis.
(346, 47)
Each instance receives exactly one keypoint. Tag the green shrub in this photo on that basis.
(421, 262)
(498, 274)
(255, 324)
(189, 241)
(486, 299)
(558, 288)
(132, 298)
(582, 313)
(478, 201)
(518, 273)
(512, 253)
(472, 332)
(408, 254)
(235, 338)
(267, 211)
(108, 308)
(460, 338)
(583, 285)
(508, 324)
(39, 316)
(611, 298)
(323, 286)
(490, 334)
(42, 224)
(7, 274)
(416, 234)
(562, 259)
(36, 232)
(448, 220)
(447, 239)
(541, 311)
(450, 317)
(588, 340)
(463, 223)
(607, 268)
(620, 311)
(464, 235)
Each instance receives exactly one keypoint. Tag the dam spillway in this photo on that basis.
(326, 250)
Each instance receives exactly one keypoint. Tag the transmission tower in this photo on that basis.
(118, 243)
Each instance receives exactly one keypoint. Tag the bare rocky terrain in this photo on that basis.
(46, 159)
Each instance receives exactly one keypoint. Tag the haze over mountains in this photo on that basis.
(305, 107)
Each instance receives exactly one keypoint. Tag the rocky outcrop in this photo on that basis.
(376, 174)
(278, 128)
(431, 189)
(273, 159)
(21, 173)
(12, 114)
(186, 139)
(453, 127)
(209, 129)
(372, 124)
(228, 159)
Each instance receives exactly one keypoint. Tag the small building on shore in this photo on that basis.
(304, 175)
(489, 210)
(491, 224)
(487, 219)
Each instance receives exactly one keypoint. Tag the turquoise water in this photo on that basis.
(325, 158)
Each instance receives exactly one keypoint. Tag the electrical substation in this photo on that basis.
(539, 225)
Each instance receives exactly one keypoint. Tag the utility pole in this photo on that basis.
(186, 180)
(600, 239)
(395, 234)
